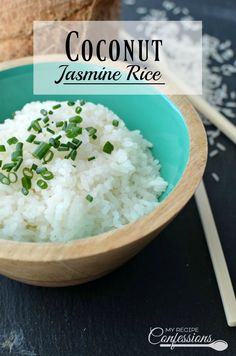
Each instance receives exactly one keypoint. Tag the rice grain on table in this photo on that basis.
(124, 185)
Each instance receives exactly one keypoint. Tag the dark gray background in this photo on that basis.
(170, 284)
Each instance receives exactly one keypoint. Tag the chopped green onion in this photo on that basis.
(73, 131)
(36, 142)
(2, 148)
(89, 198)
(63, 147)
(54, 142)
(94, 137)
(46, 120)
(70, 103)
(42, 150)
(34, 167)
(108, 148)
(55, 107)
(4, 180)
(91, 130)
(64, 126)
(82, 102)
(50, 112)
(0, 163)
(19, 146)
(73, 155)
(43, 112)
(48, 157)
(10, 177)
(12, 141)
(30, 138)
(76, 119)
(8, 166)
(115, 123)
(36, 126)
(27, 172)
(16, 155)
(18, 164)
(72, 145)
(26, 182)
(25, 191)
(42, 184)
(78, 110)
(59, 123)
(40, 170)
(50, 130)
(47, 175)
(91, 158)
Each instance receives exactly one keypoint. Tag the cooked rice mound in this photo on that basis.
(125, 185)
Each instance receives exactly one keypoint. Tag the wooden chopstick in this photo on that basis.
(214, 116)
(217, 255)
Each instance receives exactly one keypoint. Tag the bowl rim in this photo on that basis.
(116, 239)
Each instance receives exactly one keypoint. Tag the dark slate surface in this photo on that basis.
(170, 284)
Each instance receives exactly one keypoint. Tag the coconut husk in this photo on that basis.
(17, 16)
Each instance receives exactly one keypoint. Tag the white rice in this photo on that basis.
(125, 184)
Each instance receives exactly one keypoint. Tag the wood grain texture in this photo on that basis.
(60, 264)
(17, 16)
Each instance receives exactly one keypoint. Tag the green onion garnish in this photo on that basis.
(8, 166)
(94, 137)
(25, 191)
(18, 164)
(73, 155)
(59, 123)
(35, 126)
(50, 112)
(78, 110)
(34, 167)
(91, 130)
(12, 141)
(36, 142)
(1, 163)
(47, 175)
(55, 107)
(82, 102)
(40, 170)
(73, 131)
(12, 177)
(4, 179)
(70, 103)
(108, 147)
(48, 157)
(50, 130)
(91, 158)
(89, 198)
(43, 112)
(63, 147)
(16, 156)
(46, 120)
(2, 148)
(76, 119)
(26, 182)
(30, 138)
(115, 123)
(42, 184)
(42, 150)
(27, 172)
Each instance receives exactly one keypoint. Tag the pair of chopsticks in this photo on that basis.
(202, 201)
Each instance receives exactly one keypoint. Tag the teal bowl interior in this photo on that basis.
(154, 115)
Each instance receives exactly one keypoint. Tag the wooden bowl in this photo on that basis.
(75, 262)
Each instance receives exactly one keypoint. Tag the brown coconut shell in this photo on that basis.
(17, 16)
